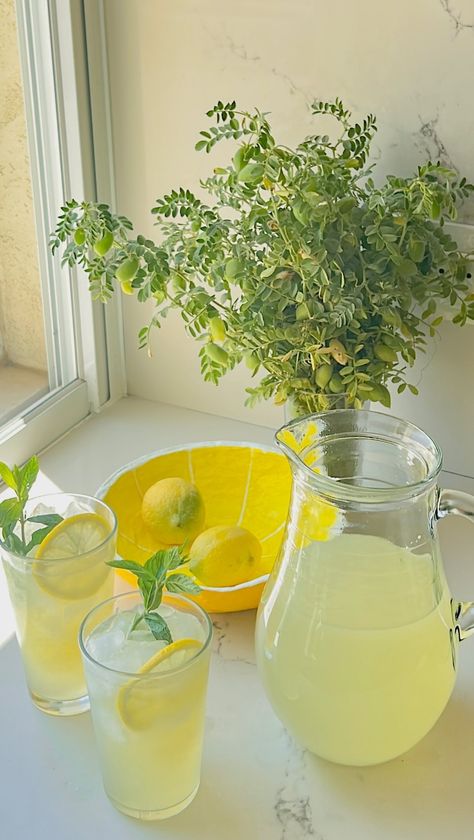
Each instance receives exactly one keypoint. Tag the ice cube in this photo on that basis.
(30, 527)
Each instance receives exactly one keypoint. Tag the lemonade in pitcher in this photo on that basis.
(357, 632)
(361, 665)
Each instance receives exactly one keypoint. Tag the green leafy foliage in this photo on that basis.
(12, 510)
(152, 578)
(304, 260)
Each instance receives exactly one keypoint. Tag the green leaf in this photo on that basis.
(160, 562)
(129, 566)
(13, 543)
(10, 512)
(251, 173)
(38, 536)
(182, 583)
(6, 475)
(46, 519)
(416, 249)
(27, 477)
(406, 268)
(158, 627)
(152, 592)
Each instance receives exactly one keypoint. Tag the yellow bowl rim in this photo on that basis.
(143, 459)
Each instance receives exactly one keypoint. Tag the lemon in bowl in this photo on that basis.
(173, 510)
(226, 555)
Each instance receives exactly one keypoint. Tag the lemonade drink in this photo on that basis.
(53, 589)
(148, 702)
(360, 661)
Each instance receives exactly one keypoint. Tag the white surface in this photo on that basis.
(171, 60)
(256, 783)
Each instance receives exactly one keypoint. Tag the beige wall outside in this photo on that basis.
(21, 310)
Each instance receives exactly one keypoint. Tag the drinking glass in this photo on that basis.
(51, 596)
(148, 722)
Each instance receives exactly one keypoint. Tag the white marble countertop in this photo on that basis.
(256, 783)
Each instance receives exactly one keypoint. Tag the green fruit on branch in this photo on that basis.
(251, 360)
(323, 375)
(217, 328)
(127, 270)
(217, 354)
(103, 245)
(379, 393)
(384, 353)
(336, 384)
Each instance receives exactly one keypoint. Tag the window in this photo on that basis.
(60, 354)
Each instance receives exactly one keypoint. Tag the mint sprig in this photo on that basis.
(12, 510)
(152, 578)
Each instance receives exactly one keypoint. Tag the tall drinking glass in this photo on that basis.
(53, 588)
(148, 702)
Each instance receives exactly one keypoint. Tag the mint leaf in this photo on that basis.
(38, 536)
(182, 583)
(152, 591)
(158, 627)
(46, 519)
(21, 480)
(136, 621)
(176, 557)
(129, 566)
(26, 477)
(10, 512)
(164, 560)
(156, 565)
(6, 476)
(13, 543)
(151, 580)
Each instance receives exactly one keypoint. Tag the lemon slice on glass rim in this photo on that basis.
(70, 562)
(138, 702)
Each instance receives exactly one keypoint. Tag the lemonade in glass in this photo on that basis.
(53, 587)
(148, 701)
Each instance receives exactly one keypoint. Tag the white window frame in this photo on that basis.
(64, 66)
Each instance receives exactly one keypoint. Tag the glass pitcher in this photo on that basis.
(357, 632)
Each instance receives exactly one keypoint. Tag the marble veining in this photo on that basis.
(229, 647)
(240, 51)
(431, 142)
(292, 807)
(455, 17)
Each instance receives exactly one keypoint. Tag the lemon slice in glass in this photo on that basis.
(140, 701)
(70, 563)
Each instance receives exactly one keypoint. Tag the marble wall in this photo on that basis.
(21, 309)
(412, 64)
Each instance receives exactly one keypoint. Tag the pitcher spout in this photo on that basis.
(298, 440)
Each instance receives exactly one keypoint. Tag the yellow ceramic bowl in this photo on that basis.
(241, 483)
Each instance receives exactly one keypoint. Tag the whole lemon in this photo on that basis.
(224, 556)
(173, 510)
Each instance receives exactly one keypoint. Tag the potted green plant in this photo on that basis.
(300, 264)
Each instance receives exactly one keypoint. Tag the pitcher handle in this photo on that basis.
(461, 504)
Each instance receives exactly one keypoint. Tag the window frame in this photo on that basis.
(63, 59)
